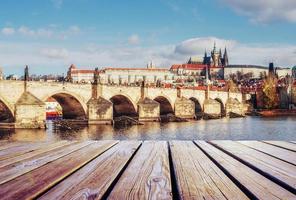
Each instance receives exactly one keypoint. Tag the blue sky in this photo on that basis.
(49, 35)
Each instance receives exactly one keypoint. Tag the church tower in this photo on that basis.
(205, 58)
(215, 56)
(225, 58)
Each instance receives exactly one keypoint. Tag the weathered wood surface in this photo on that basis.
(7, 145)
(93, 180)
(37, 181)
(254, 182)
(286, 145)
(21, 149)
(42, 149)
(146, 170)
(13, 170)
(284, 172)
(147, 176)
(277, 152)
(198, 177)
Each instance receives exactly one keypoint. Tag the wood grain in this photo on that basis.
(272, 150)
(43, 149)
(22, 149)
(257, 184)
(283, 144)
(276, 168)
(147, 176)
(7, 145)
(14, 170)
(93, 180)
(198, 177)
(37, 181)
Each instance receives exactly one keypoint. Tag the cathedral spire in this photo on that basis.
(225, 57)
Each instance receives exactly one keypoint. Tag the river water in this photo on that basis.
(249, 128)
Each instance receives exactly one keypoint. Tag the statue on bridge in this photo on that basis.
(26, 77)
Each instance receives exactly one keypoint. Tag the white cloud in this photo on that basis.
(74, 29)
(42, 32)
(134, 39)
(265, 11)
(55, 53)
(51, 31)
(199, 45)
(8, 31)
(57, 3)
(26, 31)
(240, 53)
(57, 58)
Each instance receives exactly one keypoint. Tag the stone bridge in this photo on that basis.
(24, 102)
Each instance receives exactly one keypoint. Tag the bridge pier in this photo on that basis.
(234, 107)
(148, 110)
(184, 108)
(30, 112)
(99, 111)
(212, 109)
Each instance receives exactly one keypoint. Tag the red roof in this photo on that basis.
(192, 66)
(73, 67)
(51, 99)
(146, 69)
(189, 66)
(82, 71)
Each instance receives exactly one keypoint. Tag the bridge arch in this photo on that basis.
(222, 107)
(164, 105)
(123, 106)
(6, 113)
(73, 107)
(198, 107)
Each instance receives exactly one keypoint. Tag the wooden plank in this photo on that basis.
(32, 184)
(13, 144)
(95, 178)
(147, 176)
(198, 177)
(283, 144)
(254, 182)
(274, 151)
(13, 170)
(2, 142)
(275, 168)
(32, 153)
(22, 149)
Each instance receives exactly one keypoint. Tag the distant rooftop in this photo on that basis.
(246, 66)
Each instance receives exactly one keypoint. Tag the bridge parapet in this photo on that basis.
(71, 96)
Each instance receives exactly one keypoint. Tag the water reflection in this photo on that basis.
(249, 128)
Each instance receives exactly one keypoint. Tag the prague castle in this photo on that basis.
(213, 66)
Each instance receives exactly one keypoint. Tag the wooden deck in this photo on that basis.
(148, 170)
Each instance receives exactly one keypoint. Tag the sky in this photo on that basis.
(50, 35)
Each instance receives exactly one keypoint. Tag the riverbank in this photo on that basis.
(275, 113)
